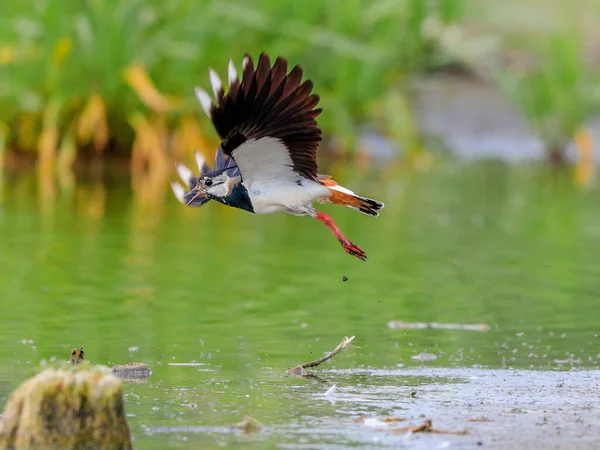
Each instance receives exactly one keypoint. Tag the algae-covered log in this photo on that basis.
(66, 409)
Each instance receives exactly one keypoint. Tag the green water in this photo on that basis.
(131, 275)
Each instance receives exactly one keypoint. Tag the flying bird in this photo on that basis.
(266, 161)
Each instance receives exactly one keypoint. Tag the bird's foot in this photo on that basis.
(353, 249)
(348, 245)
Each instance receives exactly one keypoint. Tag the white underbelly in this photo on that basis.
(274, 196)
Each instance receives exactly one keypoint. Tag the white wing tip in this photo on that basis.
(199, 160)
(231, 72)
(184, 173)
(204, 100)
(215, 82)
(179, 191)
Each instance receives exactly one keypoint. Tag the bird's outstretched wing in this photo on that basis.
(267, 121)
(187, 194)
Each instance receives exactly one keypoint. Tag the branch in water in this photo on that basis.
(423, 428)
(299, 370)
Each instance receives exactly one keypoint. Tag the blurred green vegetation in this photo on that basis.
(558, 92)
(117, 76)
(96, 73)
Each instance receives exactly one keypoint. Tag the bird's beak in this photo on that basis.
(194, 196)
(197, 195)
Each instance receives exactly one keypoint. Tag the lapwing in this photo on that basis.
(266, 161)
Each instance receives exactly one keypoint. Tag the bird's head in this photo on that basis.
(215, 186)
(208, 187)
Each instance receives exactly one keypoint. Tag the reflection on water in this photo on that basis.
(129, 274)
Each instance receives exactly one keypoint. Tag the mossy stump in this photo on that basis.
(66, 409)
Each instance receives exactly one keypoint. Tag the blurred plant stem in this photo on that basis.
(3, 144)
(558, 93)
(400, 120)
(585, 167)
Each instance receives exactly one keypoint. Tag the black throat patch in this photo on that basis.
(238, 198)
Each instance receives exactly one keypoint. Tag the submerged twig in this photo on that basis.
(299, 370)
(306, 375)
(364, 417)
(479, 419)
(393, 419)
(425, 427)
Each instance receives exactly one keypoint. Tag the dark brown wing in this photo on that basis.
(268, 102)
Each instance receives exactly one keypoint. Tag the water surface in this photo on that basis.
(131, 275)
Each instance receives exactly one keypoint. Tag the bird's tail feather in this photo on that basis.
(342, 196)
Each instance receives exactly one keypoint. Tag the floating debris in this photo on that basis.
(424, 357)
(425, 427)
(134, 372)
(249, 425)
(480, 419)
(192, 364)
(299, 370)
(331, 391)
(364, 418)
(399, 325)
(360, 419)
(76, 356)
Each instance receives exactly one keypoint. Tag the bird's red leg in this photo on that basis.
(349, 247)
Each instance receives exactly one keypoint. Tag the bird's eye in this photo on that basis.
(208, 182)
